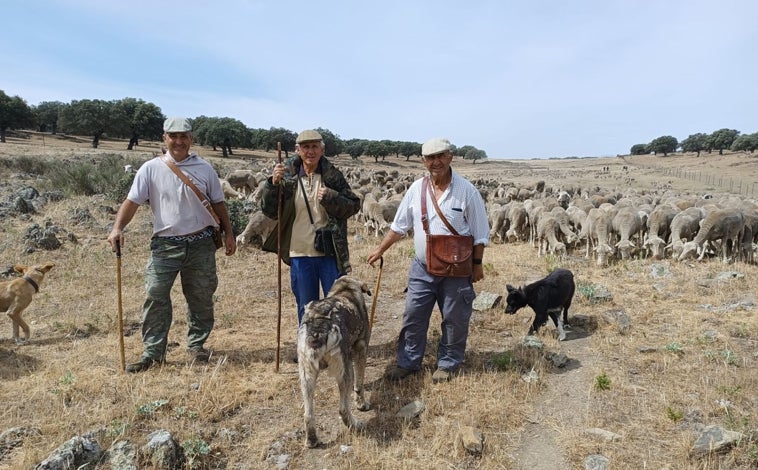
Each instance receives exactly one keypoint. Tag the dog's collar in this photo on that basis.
(32, 282)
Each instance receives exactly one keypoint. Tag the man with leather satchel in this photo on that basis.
(317, 201)
(450, 230)
(185, 195)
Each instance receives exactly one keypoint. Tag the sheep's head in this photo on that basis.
(689, 250)
(604, 252)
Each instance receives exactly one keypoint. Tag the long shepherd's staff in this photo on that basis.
(120, 308)
(279, 255)
(376, 293)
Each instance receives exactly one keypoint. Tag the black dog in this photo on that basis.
(548, 296)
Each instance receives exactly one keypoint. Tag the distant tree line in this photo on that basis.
(135, 119)
(720, 140)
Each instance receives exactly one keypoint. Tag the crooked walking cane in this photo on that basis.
(279, 256)
(120, 308)
(376, 293)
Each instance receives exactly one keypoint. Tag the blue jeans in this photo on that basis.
(306, 274)
(455, 297)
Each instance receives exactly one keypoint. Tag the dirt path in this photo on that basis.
(562, 406)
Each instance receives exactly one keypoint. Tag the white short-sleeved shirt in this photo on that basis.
(176, 208)
(461, 204)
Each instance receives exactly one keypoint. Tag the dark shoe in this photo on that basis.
(396, 374)
(199, 354)
(442, 375)
(142, 365)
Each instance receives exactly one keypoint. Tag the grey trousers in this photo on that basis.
(454, 296)
(196, 262)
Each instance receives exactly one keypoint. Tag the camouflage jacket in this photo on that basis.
(340, 203)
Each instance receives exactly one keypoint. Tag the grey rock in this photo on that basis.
(532, 341)
(487, 300)
(472, 440)
(411, 410)
(558, 359)
(161, 450)
(602, 434)
(74, 453)
(715, 439)
(121, 456)
(729, 275)
(660, 270)
(620, 318)
(599, 294)
(596, 462)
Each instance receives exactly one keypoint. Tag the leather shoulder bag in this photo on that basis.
(446, 255)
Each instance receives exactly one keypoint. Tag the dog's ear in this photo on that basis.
(47, 267)
(509, 288)
(20, 268)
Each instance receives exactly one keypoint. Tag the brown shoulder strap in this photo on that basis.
(425, 186)
(204, 200)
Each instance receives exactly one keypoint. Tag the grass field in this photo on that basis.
(688, 358)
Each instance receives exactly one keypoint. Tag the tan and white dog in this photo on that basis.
(16, 295)
(334, 336)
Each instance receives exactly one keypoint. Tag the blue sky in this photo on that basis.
(518, 79)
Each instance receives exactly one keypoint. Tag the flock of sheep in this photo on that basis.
(605, 225)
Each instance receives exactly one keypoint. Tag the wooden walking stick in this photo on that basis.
(279, 256)
(120, 308)
(376, 293)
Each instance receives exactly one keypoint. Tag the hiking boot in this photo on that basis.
(199, 354)
(442, 375)
(396, 374)
(142, 365)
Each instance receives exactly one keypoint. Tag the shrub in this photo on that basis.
(105, 176)
(195, 449)
(602, 382)
(237, 215)
(673, 414)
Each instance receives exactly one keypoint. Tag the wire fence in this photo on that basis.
(733, 185)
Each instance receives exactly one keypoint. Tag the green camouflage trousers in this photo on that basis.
(196, 261)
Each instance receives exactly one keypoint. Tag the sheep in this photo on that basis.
(626, 224)
(684, 226)
(380, 215)
(576, 217)
(498, 222)
(547, 236)
(659, 229)
(563, 199)
(597, 230)
(727, 225)
(561, 216)
(228, 190)
(517, 222)
(257, 230)
(242, 180)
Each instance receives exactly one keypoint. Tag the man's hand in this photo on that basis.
(278, 174)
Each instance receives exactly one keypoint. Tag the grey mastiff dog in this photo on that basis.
(334, 336)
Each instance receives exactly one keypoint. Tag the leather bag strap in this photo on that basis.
(305, 198)
(425, 186)
(204, 200)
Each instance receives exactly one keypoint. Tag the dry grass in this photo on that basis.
(67, 380)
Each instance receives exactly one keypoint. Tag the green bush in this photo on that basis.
(602, 382)
(237, 215)
(93, 176)
(24, 164)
